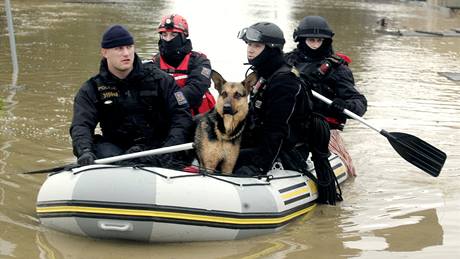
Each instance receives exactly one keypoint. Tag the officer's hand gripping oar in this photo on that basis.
(412, 149)
(108, 160)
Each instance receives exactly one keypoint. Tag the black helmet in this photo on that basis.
(264, 32)
(313, 27)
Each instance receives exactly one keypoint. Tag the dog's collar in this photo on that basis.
(234, 136)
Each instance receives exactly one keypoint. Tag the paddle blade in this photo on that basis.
(417, 152)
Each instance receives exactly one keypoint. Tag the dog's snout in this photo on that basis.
(228, 109)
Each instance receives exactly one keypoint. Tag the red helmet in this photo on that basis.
(173, 23)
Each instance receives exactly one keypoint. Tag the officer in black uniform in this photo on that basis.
(326, 71)
(137, 106)
(278, 103)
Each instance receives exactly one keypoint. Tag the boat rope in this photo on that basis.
(88, 169)
(268, 178)
(215, 174)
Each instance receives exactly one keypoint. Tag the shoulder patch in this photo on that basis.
(180, 98)
(206, 72)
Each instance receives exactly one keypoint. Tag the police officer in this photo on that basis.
(278, 104)
(137, 105)
(328, 73)
(190, 69)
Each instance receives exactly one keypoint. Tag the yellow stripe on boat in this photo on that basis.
(312, 185)
(174, 215)
(340, 170)
(295, 192)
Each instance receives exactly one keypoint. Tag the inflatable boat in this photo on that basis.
(162, 205)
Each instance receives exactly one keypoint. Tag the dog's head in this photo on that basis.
(232, 100)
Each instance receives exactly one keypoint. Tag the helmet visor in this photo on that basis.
(253, 35)
(250, 34)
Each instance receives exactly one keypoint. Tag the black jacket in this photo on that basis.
(147, 107)
(277, 115)
(199, 78)
(337, 83)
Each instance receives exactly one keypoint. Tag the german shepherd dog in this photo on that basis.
(218, 133)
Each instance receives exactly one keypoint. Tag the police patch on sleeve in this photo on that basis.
(180, 98)
(206, 72)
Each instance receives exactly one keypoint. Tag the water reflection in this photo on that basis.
(420, 230)
(61, 245)
(424, 232)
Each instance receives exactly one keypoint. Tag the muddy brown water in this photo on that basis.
(390, 209)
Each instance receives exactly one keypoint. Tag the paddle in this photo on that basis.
(412, 149)
(108, 160)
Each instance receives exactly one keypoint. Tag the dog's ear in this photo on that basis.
(218, 80)
(250, 81)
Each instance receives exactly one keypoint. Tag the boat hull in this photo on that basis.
(161, 205)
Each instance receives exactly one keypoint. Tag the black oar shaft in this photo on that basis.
(52, 170)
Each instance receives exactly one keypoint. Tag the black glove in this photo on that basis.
(87, 158)
(338, 105)
(248, 170)
(135, 149)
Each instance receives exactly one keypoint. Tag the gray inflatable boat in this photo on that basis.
(161, 205)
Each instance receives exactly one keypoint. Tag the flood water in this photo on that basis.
(392, 209)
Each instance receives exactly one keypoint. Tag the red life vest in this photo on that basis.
(180, 74)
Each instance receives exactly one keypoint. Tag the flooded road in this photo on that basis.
(390, 209)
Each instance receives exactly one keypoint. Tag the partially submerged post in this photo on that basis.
(14, 58)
